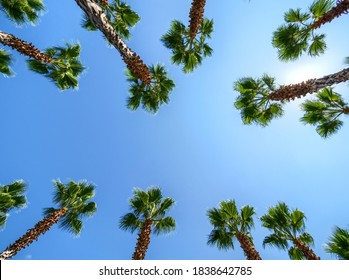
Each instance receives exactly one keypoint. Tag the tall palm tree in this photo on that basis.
(338, 243)
(99, 19)
(297, 35)
(288, 227)
(148, 214)
(73, 200)
(188, 44)
(153, 95)
(260, 101)
(229, 224)
(11, 196)
(60, 64)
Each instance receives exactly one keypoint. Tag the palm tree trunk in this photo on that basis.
(143, 241)
(307, 252)
(23, 47)
(33, 234)
(247, 246)
(310, 86)
(196, 17)
(342, 7)
(99, 19)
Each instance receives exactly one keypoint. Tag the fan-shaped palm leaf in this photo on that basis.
(297, 35)
(22, 11)
(338, 243)
(5, 62)
(150, 96)
(11, 196)
(188, 51)
(288, 229)
(228, 224)
(148, 212)
(64, 69)
(254, 103)
(324, 112)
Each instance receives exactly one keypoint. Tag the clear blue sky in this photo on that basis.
(195, 148)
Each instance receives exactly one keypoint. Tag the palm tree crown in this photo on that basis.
(229, 224)
(338, 243)
(22, 11)
(150, 96)
(11, 196)
(324, 112)
(297, 35)
(75, 198)
(148, 215)
(186, 50)
(64, 68)
(288, 226)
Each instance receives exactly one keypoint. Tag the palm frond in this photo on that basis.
(5, 62)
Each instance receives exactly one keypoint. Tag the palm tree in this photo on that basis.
(187, 50)
(324, 112)
(288, 226)
(338, 243)
(64, 68)
(73, 200)
(254, 100)
(100, 20)
(297, 35)
(60, 64)
(148, 214)
(260, 100)
(228, 224)
(11, 196)
(153, 95)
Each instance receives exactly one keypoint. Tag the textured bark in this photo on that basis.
(310, 86)
(104, 2)
(341, 8)
(196, 16)
(307, 252)
(100, 20)
(32, 234)
(23, 47)
(143, 241)
(248, 247)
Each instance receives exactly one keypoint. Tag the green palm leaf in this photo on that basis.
(324, 112)
(5, 62)
(186, 51)
(227, 222)
(253, 102)
(74, 197)
(65, 69)
(11, 197)
(338, 243)
(151, 96)
(22, 11)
